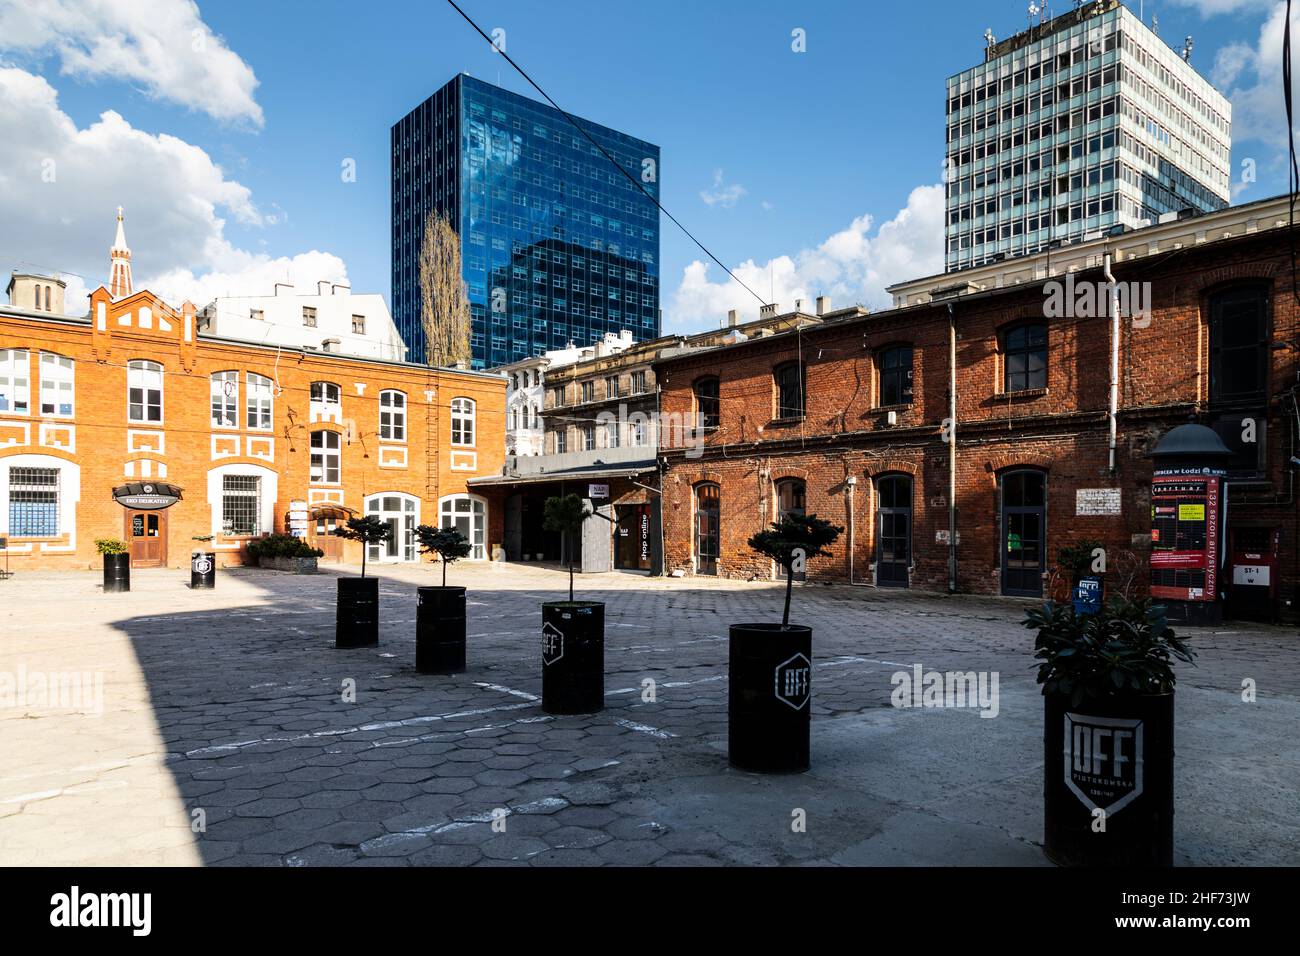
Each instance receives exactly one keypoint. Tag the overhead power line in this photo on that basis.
(576, 125)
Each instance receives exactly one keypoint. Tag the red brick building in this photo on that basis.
(850, 419)
(130, 423)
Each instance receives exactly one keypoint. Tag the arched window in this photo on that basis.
(790, 399)
(57, 381)
(326, 401)
(1024, 357)
(468, 515)
(144, 392)
(401, 512)
(326, 457)
(224, 387)
(708, 528)
(392, 415)
(708, 406)
(47, 299)
(896, 375)
(260, 404)
(462, 421)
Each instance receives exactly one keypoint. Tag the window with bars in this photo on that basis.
(34, 502)
(241, 505)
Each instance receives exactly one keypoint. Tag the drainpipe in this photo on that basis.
(1112, 297)
(851, 483)
(952, 450)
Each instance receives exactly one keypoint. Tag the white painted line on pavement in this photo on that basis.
(643, 728)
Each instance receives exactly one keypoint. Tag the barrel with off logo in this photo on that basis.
(573, 657)
(769, 697)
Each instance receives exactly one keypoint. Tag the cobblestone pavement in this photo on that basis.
(223, 711)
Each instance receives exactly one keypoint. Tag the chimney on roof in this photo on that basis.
(733, 319)
(768, 311)
(323, 287)
(798, 305)
(329, 345)
(823, 304)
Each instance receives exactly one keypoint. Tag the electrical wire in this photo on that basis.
(632, 179)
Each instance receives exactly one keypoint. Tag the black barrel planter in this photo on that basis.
(440, 630)
(769, 697)
(1115, 755)
(203, 571)
(357, 623)
(573, 657)
(117, 573)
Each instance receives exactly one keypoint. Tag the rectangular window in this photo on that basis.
(15, 382)
(144, 384)
(225, 399)
(308, 317)
(896, 376)
(790, 393)
(611, 386)
(325, 457)
(257, 315)
(611, 435)
(34, 502)
(392, 416)
(588, 391)
(260, 397)
(358, 325)
(639, 383)
(588, 437)
(241, 505)
(56, 385)
(560, 444)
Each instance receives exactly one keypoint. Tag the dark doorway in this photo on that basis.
(893, 530)
(1024, 532)
(708, 537)
(632, 543)
(791, 499)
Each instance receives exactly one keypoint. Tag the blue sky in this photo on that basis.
(817, 169)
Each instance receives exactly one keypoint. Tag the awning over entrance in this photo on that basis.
(147, 495)
(337, 512)
(631, 470)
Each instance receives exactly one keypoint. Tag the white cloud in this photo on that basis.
(1251, 77)
(161, 46)
(1210, 8)
(725, 196)
(60, 187)
(851, 266)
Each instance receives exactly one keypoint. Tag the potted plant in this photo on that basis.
(573, 632)
(117, 564)
(440, 611)
(1108, 732)
(1076, 561)
(284, 552)
(769, 696)
(357, 620)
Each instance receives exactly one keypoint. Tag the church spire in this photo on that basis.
(119, 263)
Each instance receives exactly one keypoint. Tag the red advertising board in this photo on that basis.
(1185, 534)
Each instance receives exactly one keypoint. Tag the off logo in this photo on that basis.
(794, 681)
(552, 643)
(1103, 760)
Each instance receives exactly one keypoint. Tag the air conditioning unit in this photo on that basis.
(891, 419)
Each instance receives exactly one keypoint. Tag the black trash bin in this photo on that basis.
(1115, 755)
(573, 657)
(769, 697)
(440, 630)
(203, 570)
(357, 621)
(117, 573)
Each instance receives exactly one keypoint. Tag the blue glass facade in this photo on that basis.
(557, 245)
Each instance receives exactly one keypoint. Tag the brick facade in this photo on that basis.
(97, 448)
(1060, 429)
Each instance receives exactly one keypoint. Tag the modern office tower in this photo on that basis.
(1084, 124)
(558, 246)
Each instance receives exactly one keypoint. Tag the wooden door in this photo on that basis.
(146, 535)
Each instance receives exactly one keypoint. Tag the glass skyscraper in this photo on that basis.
(1082, 124)
(557, 245)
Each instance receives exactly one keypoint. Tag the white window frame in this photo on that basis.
(16, 385)
(58, 374)
(258, 528)
(329, 406)
(69, 499)
(223, 406)
(259, 398)
(392, 415)
(463, 422)
(144, 374)
(326, 451)
(408, 521)
(478, 536)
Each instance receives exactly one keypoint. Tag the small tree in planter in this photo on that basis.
(769, 692)
(440, 611)
(573, 632)
(357, 624)
(117, 564)
(1108, 736)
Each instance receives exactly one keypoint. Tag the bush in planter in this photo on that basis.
(573, 632)
(769, 694)
(282, 546)
(440, 611)
(110, 546)
(357, 621)
(117, 564)
(1108, 740)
